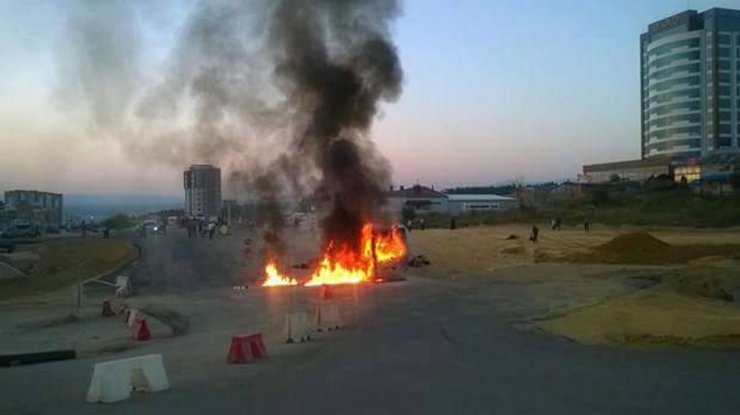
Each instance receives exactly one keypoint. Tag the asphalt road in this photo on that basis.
(414, 347)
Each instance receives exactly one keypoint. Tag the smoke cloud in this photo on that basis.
(280, 93)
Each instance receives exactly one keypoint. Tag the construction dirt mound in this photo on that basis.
(644, 248)
(635, 242)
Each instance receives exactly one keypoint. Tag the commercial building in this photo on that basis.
(690, 75)
(634, 170)
(202, 183)
(424, 200)
(689, 97)
(32, 207)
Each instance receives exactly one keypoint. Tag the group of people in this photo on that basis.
(202, 227)
(555, 224)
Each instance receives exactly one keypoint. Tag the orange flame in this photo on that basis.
(348, 267)
(345, 265)
(274, 278)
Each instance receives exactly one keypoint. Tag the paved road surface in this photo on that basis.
(414, 347)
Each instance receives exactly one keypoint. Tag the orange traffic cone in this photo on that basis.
(107, 310)
(141, 332)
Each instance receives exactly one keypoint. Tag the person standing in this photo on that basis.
(587, 224)
(534, 236)
(211, 229)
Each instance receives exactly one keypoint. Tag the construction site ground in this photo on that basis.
(490, 325)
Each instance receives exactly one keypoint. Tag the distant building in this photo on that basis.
(635, 170)
(690, 64)
(423, 200)
(32, 206)
(689, 98)
(457, 204)
(202, 183)
(420, 198)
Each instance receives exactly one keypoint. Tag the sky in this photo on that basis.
(494, 91)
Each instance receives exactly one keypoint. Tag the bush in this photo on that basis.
(408, 214)
(119, 221)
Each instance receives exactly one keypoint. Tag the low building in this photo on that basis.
(420, 198)
(713, 174)
(424, 200)
(44, 209)
(633, 170)
(458, 204)
(710, 173)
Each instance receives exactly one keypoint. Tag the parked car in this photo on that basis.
(22, 231)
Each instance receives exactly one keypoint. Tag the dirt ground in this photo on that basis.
(579, 288)
(62, 262)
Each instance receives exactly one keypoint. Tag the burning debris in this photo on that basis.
(273, 277)
(347, 265)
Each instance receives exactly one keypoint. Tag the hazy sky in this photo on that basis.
(494, 90)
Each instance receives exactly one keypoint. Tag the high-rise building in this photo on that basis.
(202, 184)
(690, 85)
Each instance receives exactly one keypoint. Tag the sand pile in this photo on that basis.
(644, 248)
(635, 242)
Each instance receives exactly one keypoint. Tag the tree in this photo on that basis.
(408, 213)
(735, 180)
(119, 221)
(599, 196)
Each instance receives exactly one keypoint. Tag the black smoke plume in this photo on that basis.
(282, 94)
(335, 62)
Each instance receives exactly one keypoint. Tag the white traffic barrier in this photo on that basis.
(132, 316)
(327, 317)
(113, 381)
(123, 286)
(297, 327)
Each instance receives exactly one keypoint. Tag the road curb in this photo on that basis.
(37, 357)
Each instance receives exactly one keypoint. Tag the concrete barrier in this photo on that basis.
(131, 316)
(113, 381)
(327, 317)
(123, 286)
(245, 348)
(298, 327)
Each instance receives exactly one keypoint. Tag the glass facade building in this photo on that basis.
(690, 85)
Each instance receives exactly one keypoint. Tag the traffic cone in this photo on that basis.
(142, 331)
(107, 310)
(238, 352)
(325, 292)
